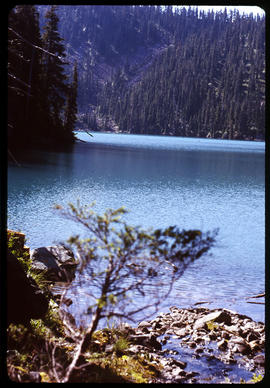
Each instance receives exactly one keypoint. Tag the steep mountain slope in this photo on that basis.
(186, 93)
(144, 69)
(105, 38)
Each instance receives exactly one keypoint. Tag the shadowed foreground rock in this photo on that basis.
(25, 300)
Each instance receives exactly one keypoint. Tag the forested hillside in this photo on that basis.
(209, 83)
(152, 69)
(183, 72)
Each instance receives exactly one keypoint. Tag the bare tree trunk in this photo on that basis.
(82, 345)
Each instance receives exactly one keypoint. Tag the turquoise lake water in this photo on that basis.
(193, 183)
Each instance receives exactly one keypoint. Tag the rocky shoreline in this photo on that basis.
(184, 345)
(221, 336)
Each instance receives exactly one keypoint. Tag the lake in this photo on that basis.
(192, 183)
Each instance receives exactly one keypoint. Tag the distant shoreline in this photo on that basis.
(166, 135)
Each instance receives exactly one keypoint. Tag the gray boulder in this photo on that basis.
(57, 263)
(220, 316)
(147, 340)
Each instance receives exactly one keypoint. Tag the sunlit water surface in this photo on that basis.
(192, 183)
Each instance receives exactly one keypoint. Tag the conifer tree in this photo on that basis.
(54, 77)
(24, 75)
(71, 106)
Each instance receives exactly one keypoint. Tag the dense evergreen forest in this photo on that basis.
(141, 69)
(41, 102)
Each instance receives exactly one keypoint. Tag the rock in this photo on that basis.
(252, 336)
(236, 329)
(145, 326)
(56, 262)
(163, 341)
(248, 325)
(199, 350)
(181, 364)
(229, 359)
(177, 324)
(225, 334)
(147, 340)
(206, 339)
(222, 345)
(254, 345)
(212, 335)
(169, 331)
(25, 300)
(239, 345)
(174, 352)
(159, 325)
(260, 329)
(191, 344)
(190, 375)
(241, 348)
(176, 371)
(217, 316)
(237, 340)
(125, 328)
(180, 333)
(259, 360)
(198, 339)
(135, 349)
(174, 309)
